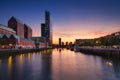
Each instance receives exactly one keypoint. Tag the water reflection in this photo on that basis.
(0, 61)
(20, 61)
(58, 64)
(46, 65)
(9, 65)
(60, 50)
(29, 56)
(116, 67)
(109, 63)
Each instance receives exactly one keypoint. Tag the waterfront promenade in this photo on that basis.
(18, 51)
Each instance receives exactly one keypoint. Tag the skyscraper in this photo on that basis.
(43, 30)
(66, 43)
(46, 28)
(60, 42)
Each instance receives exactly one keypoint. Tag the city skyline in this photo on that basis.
(71, 20)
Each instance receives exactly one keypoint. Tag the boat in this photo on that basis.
(76, 48)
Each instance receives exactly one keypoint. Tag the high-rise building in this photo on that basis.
(48, 27)
(43, 30)
(66, 43)
(60, 42)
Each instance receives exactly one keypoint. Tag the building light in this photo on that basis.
(10, 44)
(3, 46)
(109, 63)
(97, 42)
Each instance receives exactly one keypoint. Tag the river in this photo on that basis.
(58, 64)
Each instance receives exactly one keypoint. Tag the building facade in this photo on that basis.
(27, 32)
(43, 30)
(23, 31)
(14, 41)
(6, 30)
(48, 27)
(17, 26)
(40, 42)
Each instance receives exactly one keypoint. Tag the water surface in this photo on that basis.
(58, 65)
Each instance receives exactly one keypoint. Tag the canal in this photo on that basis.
(58, 65)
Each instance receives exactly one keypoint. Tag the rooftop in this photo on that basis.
(6, 28)
(27, 26)
(20, 21)
(16, 19)
(39, 37)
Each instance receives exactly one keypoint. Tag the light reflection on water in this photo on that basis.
(58, 65)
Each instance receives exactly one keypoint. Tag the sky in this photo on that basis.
(71, 19)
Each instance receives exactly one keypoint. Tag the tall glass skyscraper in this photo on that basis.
(46, 29)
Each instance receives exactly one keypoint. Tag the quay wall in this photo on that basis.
(109, 53)
(4, 52)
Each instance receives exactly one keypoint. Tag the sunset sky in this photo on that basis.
(71, 19)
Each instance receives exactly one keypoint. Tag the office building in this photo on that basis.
(60, 42)
(48, 27)
(43, 30)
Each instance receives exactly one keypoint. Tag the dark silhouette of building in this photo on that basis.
(48, 27)
(43, 30)
(66, 44)
(60, 42)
